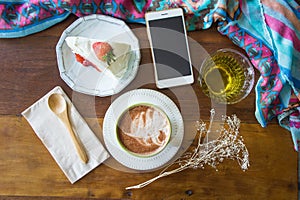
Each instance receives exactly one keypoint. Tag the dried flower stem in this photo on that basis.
(227, 146)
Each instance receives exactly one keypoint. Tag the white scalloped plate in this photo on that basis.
(86, 79)
(132, 98)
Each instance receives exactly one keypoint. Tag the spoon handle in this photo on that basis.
(78, 145)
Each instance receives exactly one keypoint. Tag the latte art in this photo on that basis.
(149, 127)
(144, 129)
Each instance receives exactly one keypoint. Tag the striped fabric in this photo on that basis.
(23, 17)
(268, 31)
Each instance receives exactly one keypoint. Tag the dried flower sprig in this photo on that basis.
(228, 145)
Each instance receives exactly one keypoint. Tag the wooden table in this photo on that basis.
(29, 70)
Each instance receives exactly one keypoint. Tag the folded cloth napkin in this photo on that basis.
(57, 140)
(268, 31)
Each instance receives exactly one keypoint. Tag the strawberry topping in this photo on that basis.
(104, 52)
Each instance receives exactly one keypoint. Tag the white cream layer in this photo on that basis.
(84, 47)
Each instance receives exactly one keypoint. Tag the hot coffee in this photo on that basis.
(143, 130)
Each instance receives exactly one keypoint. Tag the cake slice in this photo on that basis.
(111, 58)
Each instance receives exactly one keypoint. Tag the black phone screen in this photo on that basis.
(169, 48)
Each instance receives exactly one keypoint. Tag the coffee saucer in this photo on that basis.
(125, 101)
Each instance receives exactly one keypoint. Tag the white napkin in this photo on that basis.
(54, 135)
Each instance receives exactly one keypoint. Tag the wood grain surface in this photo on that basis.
(29, 70)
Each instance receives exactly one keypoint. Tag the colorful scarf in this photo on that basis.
(268, 31)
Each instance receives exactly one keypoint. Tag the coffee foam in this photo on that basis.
(148, 127)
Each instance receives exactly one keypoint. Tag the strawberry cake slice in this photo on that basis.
(111, 58)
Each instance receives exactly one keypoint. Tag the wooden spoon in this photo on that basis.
(58, 106)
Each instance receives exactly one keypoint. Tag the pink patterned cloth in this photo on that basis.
(20, 18)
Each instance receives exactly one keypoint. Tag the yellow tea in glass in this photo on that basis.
(226, 76)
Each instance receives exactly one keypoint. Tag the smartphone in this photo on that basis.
(169, 47)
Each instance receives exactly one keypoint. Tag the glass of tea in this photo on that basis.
(226, 76)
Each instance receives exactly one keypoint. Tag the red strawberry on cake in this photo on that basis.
(104, 52)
